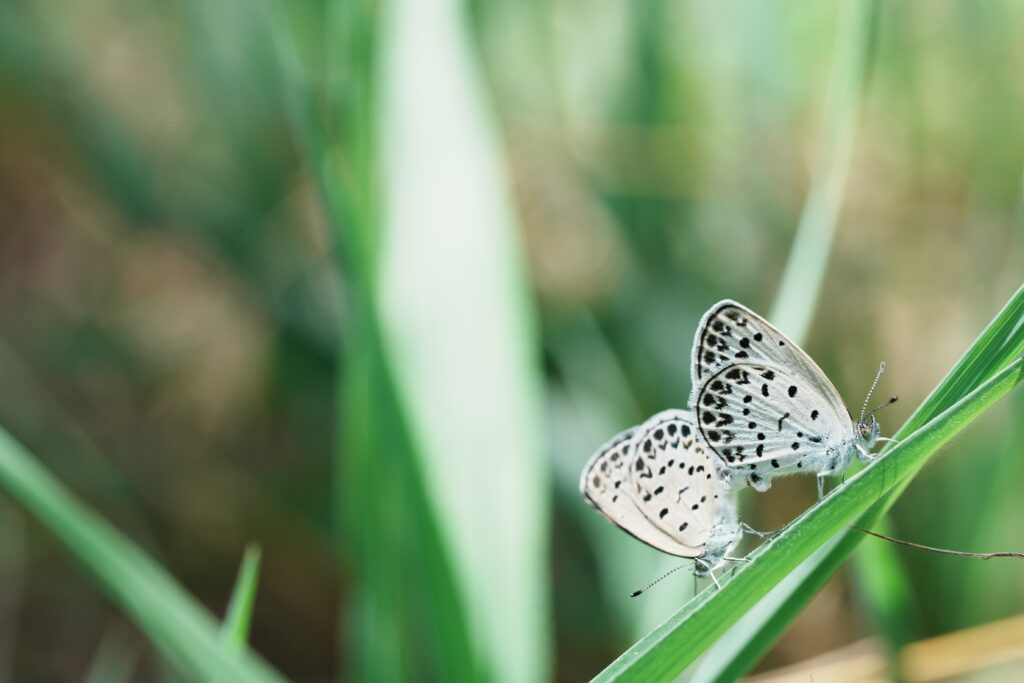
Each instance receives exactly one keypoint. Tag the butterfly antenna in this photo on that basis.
(892, 399)
(864, 408)
(638, 592)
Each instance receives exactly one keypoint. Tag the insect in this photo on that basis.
(764, 408)
(657, 483)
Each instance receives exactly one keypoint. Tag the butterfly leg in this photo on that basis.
(821, 486)
(864, 455)
(705, 569)
(760, 534)
(884, 439)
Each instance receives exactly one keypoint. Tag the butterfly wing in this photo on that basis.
(675, 483)
(605, 484)
(732, 333)
(768, 419)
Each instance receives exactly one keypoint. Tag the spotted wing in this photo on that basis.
(604, 484)
(767, 419)
(675, 483)
(732, 333)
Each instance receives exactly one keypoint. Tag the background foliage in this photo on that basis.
(365, 283)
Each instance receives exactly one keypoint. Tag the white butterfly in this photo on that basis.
(764, 408)
(657, 483)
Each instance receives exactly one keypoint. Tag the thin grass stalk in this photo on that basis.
(235, 629)
(802, 279)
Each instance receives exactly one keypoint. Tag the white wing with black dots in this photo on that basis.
(732, 333)
(675, 484)
(606, 483)
(657, 483)
(764, 420)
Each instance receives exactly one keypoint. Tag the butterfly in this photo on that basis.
(764, 408)
(657, 483)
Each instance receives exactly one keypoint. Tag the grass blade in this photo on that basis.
(665, 652)
(235, 630)
(458, 331)
(407, 611)
(176, 624)
(808, 257)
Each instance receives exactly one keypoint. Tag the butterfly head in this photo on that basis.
(724, 537)
(868, 428)
(868, 432)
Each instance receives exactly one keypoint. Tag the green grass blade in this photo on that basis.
(808, 258)
(176, 624)
(458, 331)
(235, 629)
(1000, 342)
(668, 650)
(406, 610)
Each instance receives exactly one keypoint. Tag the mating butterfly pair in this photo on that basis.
(760, 408)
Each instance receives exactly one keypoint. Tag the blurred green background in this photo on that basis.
(366, 283)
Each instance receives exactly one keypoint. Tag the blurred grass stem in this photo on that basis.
(801, 283)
